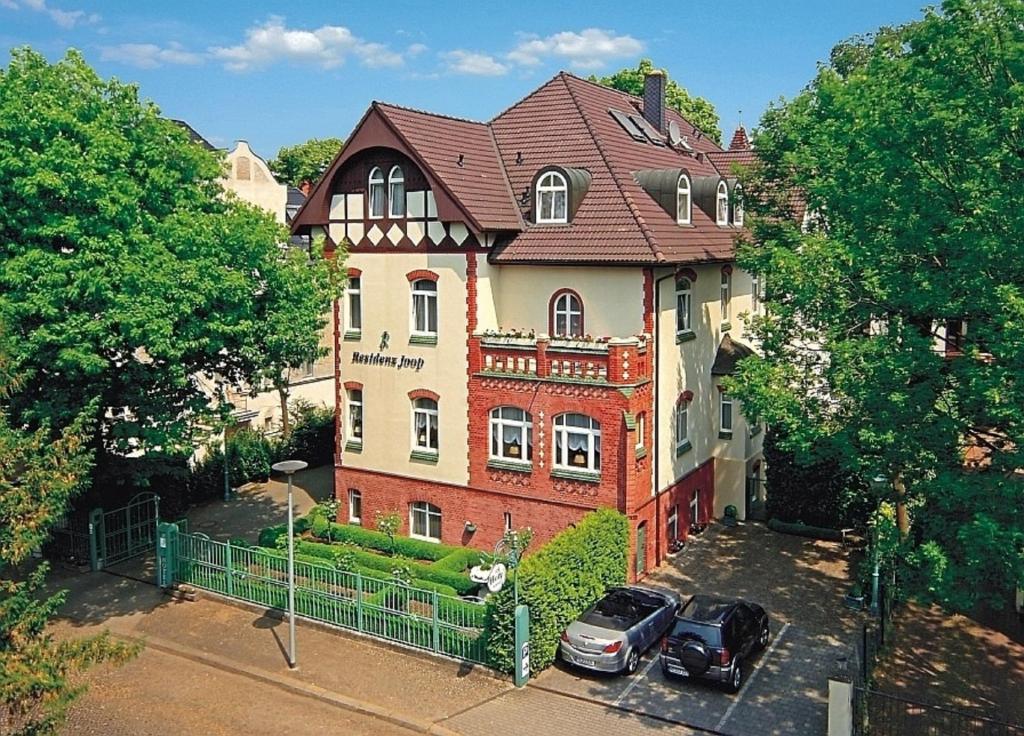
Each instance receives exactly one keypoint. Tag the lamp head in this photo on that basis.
(289, 466)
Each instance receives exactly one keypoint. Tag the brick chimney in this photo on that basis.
(305, 186)
(654, 98)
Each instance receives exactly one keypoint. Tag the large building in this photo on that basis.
(540, 312)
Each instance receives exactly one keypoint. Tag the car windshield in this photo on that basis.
(705, 633)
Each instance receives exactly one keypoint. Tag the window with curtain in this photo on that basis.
(552, 199)
(511, 434)
(424, 425)
(355, 415)
(577, 442)
(355, 506)
(682, 430)
(354, 313)
(567, 315)
(737, 206)
(722, 209)
(425, 521)
(396, 192)
(726, 294)
(424, 307)
(683, 201)
(725, 403)
(376, 190)
(684, 296)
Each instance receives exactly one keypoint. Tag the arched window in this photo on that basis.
(424, 307)
(722, 209)
(683, 200)
(396, 192)
(737, 206)
(682, 425)
(566, 314)
(577, 442)
(511, 434)
(424, 425)
(355, 416)
(425, 521)
(376, 190)
(684, 302)
(552, 199)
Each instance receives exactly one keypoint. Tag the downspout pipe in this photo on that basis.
(657, 407)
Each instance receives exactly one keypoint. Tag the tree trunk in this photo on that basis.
(902, 520)
(286, 423)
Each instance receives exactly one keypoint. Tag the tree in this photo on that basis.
(38, 477)
(388, 522)
(908, 148)
(125, 270)
(696, 110)
(305, 162)
(292, 311)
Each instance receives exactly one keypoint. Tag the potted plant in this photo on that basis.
(730, 516)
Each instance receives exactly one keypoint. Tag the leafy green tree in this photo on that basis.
(909, 151)
(38, 477)
(305, 162)
(125, 270)
(388, 522)
(697, 110)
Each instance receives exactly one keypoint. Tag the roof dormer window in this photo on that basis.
(552, 199)
(376, 190)
(737, 206)
(684, 200)
(396, 192)
(722, 205)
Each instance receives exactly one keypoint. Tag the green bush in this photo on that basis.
(415, 549)
(249, 456)
(558, 582)
(459, 561)
(311, 438)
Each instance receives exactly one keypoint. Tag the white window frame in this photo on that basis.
(684, 305)
(350, 418)
(673, 523)
(375, 182)
(737, 206)
(683, 189)
(507, 518)
(396, 178)
(428, 511)
(695, 508)
(355, 498)
(567, 312)
(497, 434)
(592, 432)
(354, 296)
(755, 293)
(548, 187)
(722, 204)
(641, 430)
(725, 402)
(726, 294)
(682, 425)
(428, 296)
(420, 407)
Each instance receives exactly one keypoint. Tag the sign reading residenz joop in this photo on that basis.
(388, 361)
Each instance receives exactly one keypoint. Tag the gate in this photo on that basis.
(119, 535)
(884, 714)
(382, 608)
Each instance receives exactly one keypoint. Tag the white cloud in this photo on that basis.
(469, 62)
(63, 18)
(149, 55)
(589, 49)
(416, 49)
(326, 47)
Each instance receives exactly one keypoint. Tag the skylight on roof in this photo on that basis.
(628, 125)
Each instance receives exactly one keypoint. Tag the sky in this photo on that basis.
(276, 74)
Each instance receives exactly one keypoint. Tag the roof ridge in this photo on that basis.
(521, 100)
(627, 198)
(418, 111)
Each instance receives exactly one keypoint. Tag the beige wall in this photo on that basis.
(249, 177)
(687, 366)
(613, 298)
(387, 410)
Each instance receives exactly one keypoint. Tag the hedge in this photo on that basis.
(558, 582)
(403, 546)
(805, 530)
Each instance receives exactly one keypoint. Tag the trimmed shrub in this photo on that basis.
(558, 582)
(249, 454)
(415, 549)
(459, 561)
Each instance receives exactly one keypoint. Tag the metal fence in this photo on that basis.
(892, 715)
(69, 540)
(128, 531)
(383, 608)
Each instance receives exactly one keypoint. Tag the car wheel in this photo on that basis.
(735, 677)
(762, 639)
(632, 661)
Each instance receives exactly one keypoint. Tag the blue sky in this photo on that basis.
(276, 74)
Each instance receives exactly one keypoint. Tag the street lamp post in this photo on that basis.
(289, 468)
(878, 484)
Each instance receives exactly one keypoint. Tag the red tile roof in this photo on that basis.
(739, 140)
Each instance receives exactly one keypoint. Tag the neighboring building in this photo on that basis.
(539, 315)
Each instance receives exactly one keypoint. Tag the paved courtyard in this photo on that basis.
(800, 582)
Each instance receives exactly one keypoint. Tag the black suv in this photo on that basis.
(711, 638)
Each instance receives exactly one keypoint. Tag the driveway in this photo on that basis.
(800, 582)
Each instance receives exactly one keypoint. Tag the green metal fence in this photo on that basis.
(387, 609)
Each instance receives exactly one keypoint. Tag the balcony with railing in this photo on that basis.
(615, 361)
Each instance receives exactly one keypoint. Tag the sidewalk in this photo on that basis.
(239, 656)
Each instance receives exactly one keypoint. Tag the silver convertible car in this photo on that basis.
(613, 634)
